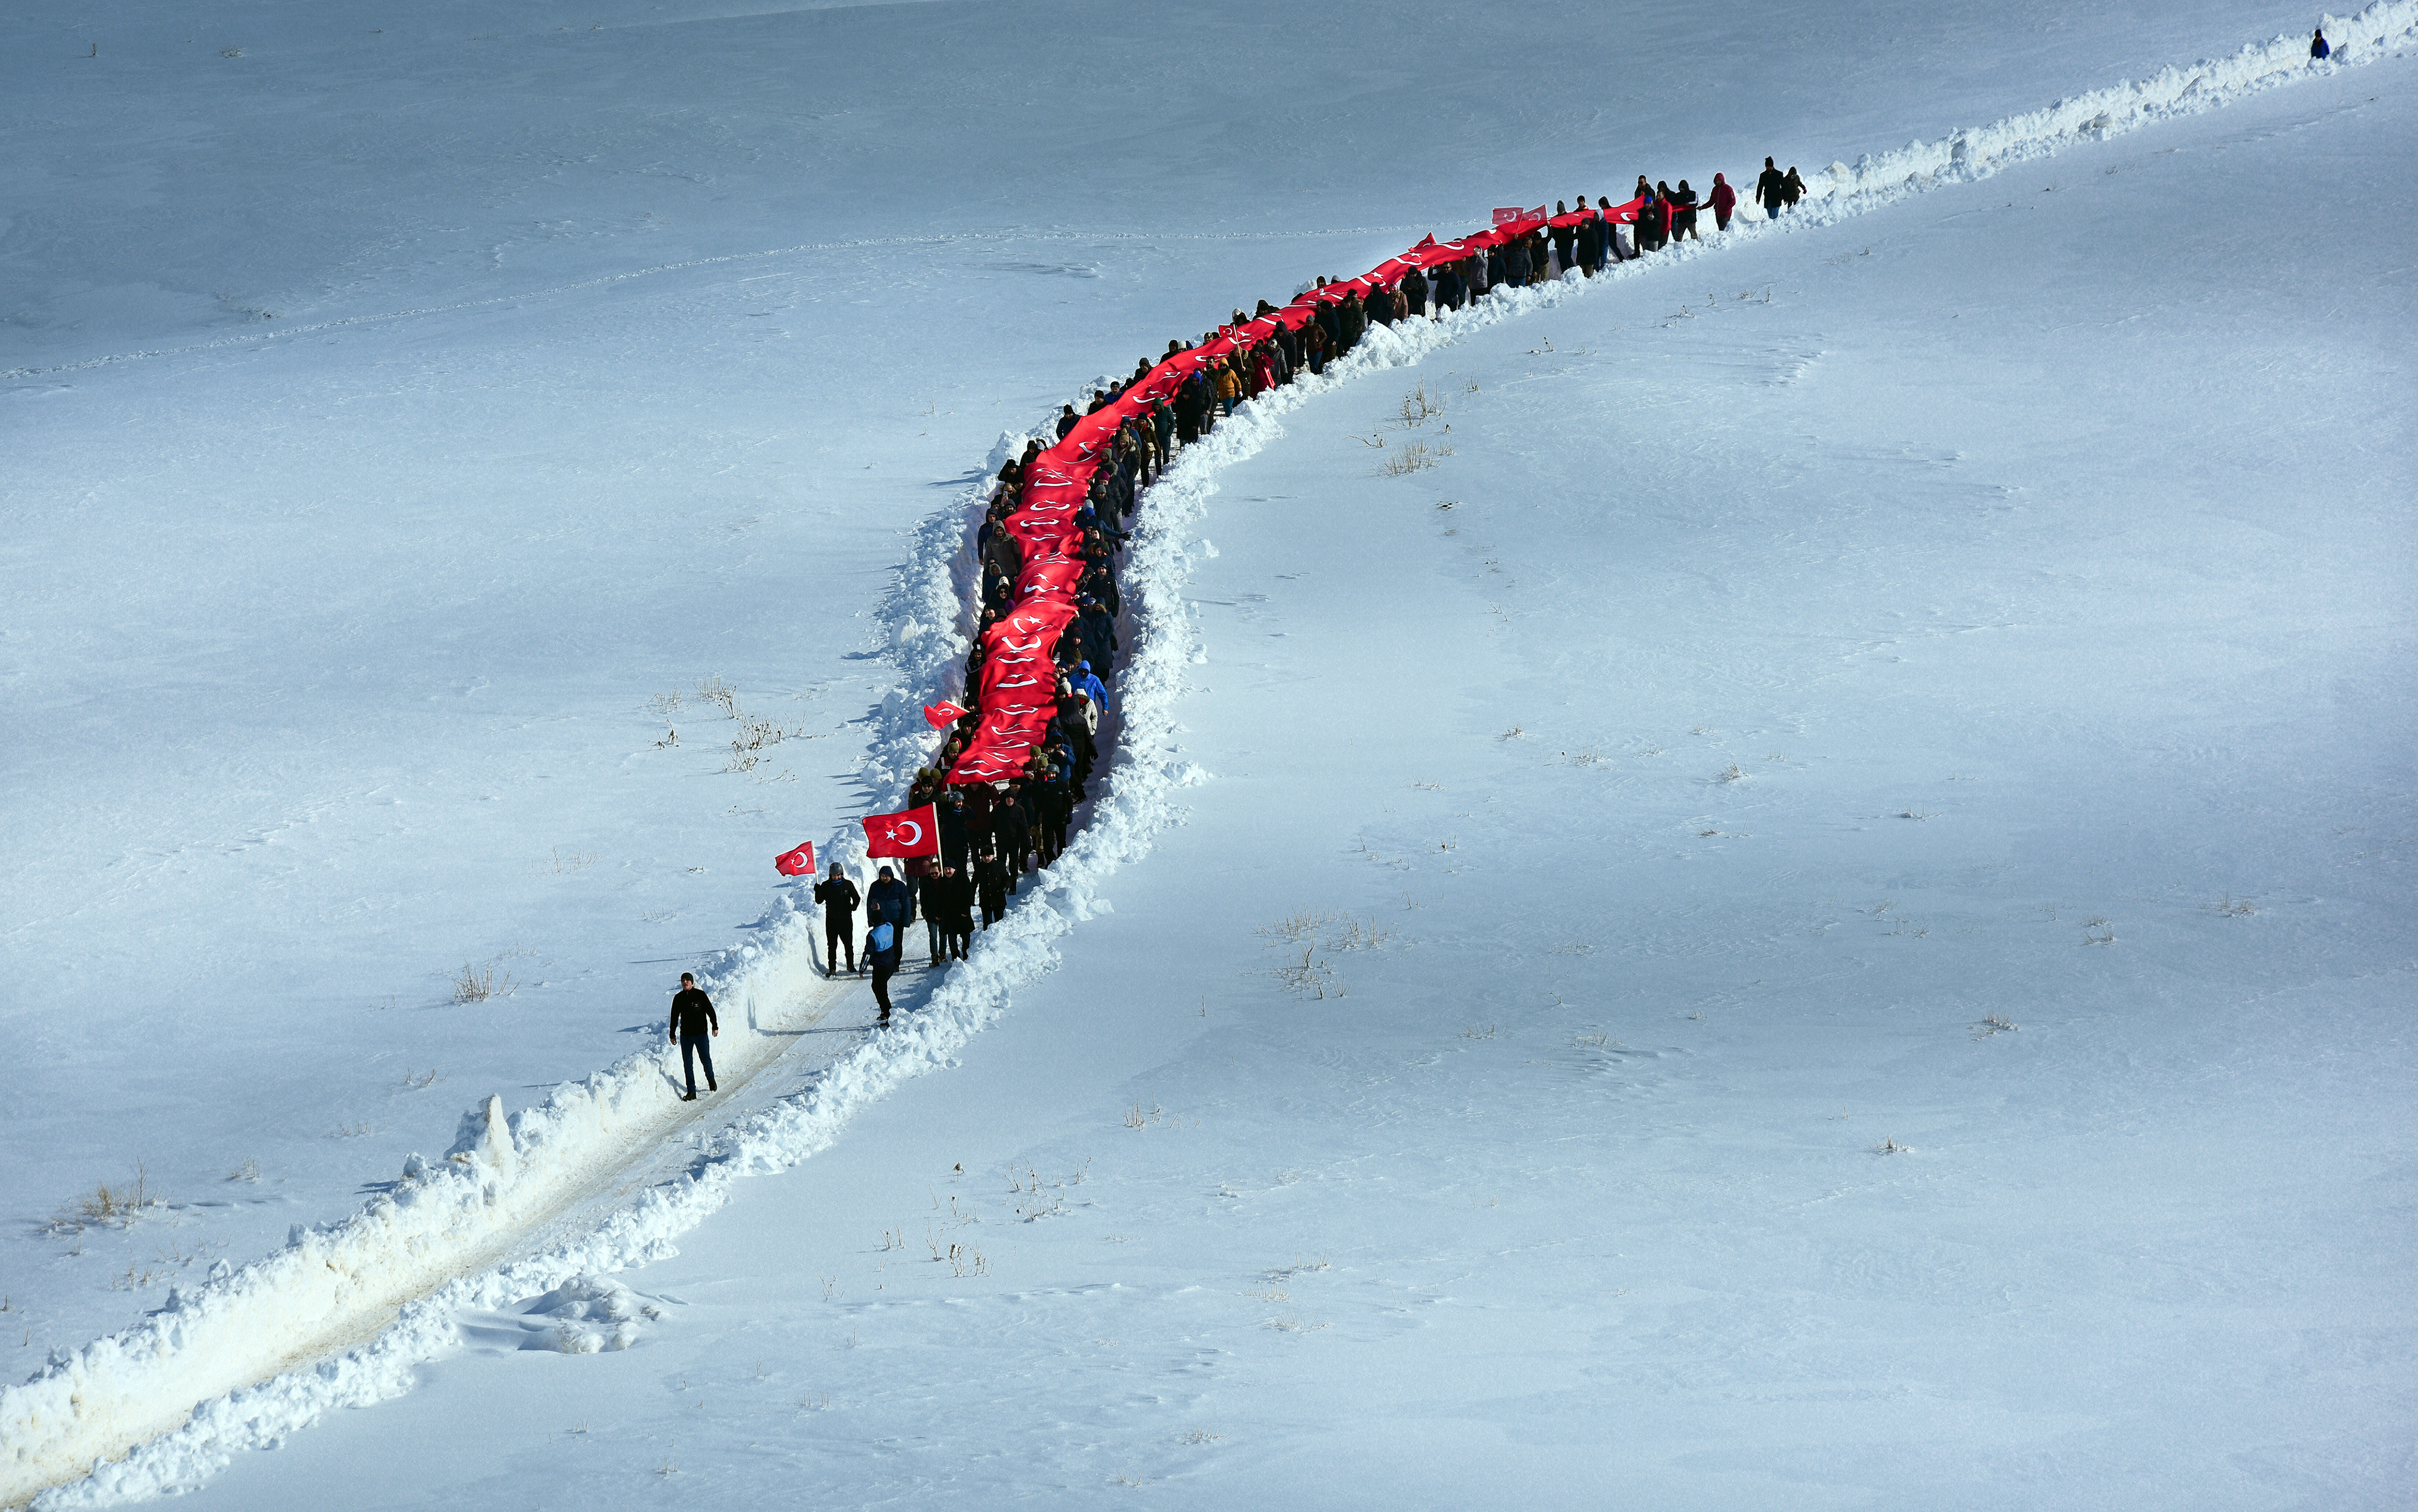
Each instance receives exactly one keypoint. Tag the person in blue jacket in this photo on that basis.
(888, 901)
(1083, 682)
(2318, 48)
(889, 908)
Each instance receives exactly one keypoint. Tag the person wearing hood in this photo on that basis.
(2318, 48)
(1792, 188)
(1723, 200)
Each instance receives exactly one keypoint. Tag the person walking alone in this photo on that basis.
(839, 898)
(695, 1026)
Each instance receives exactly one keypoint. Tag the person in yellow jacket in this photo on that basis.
(1230, 386)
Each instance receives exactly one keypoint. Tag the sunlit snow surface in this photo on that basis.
(2035, 552)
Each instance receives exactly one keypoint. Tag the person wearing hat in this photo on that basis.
(1723, 200)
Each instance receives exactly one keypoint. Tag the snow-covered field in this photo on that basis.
(1990, 604)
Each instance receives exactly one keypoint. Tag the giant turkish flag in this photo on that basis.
(914, 831)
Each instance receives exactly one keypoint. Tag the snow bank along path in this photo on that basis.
(200, 1378)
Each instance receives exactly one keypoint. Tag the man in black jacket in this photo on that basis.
(948, 902)
(990, 888)
(839, 898)
(1013, 828)
(693, 1024)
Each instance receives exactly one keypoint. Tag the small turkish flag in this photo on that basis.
(942, 714)
(914, 831)
(798, 862)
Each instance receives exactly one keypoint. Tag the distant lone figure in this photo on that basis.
(693, 1024)
(2318, 48)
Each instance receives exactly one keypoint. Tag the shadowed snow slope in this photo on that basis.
(1816, 915)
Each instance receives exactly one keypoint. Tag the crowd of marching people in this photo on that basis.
(998, 823)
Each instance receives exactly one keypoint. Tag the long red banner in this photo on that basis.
(1018, 682)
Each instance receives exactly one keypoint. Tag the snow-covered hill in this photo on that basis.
(2030, 551)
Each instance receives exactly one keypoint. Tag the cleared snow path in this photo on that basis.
(553, 1184)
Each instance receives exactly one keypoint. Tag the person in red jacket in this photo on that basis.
(1723, 199)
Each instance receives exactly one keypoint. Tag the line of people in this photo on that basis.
(1002, 817)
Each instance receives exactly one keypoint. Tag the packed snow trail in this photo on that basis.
(511, 1183)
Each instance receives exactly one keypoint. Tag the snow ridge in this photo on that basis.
(388, 1280)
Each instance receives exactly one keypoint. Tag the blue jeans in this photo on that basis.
(695, 1048)
(1771, 212)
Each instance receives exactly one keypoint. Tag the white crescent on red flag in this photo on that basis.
(942, 714)
(914, 831)
(798, 862)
